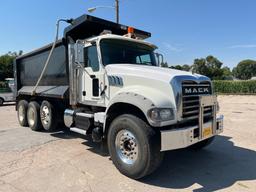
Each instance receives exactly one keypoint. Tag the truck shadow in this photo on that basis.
(97, 148)
(216, 167)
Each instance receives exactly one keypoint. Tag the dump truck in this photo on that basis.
(105, 80)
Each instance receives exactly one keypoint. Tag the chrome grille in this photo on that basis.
(190, 99)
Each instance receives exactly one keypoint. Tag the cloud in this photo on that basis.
(248, 46)
(172, 47)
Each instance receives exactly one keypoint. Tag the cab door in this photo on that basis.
(91, 83)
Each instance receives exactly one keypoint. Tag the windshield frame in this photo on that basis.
(151, 51)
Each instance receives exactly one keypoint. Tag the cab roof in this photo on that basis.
(118, 37)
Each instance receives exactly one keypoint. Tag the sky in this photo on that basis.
(182, 29)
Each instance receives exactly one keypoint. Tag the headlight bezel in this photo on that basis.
(161, 114)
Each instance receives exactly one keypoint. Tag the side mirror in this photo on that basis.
(160, 59)
(79, 56)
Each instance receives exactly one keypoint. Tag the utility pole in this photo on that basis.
(117, 11)
(115, 6)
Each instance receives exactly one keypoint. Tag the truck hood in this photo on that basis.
(148, 72)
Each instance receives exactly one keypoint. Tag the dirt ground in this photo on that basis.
(63, 161)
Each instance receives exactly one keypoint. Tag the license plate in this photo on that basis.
(207, 132)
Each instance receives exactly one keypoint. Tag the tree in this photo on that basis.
(181, 67)
(186, 67)
(227, 73)
(245, 70)
(209, 66)
(164, 64)
(6, 64)
(178, 67)
(200, 67)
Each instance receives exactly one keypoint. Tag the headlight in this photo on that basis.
(158, 114)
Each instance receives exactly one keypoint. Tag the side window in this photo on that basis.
(91, 58)
(143, 59)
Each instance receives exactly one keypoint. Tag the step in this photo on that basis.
(77, 130)
(87, 115)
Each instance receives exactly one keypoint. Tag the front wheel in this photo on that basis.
(134, 146)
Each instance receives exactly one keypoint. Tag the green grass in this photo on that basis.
(235, 87)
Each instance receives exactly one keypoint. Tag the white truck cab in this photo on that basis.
(111, 86)
(128, 73)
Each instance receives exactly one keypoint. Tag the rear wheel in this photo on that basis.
(22, 113)
(33, 115)
(1, 101)
(202, 144)
(134, 146)
(48, 116)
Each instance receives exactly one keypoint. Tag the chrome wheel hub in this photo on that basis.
(45, 115)
(21, 113)
(126, 147)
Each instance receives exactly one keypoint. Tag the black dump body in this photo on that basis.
(55, 82)
(29, 67)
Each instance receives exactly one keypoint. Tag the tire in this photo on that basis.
(1, 101)
(202, 144)
(131, 135)
(48, 116)
(33, 116)
(22, 113)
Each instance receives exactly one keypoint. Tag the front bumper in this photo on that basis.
(184, 137)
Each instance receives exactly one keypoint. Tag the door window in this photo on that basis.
(91, 57)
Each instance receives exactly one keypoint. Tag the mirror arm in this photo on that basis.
(103, 91)
(159, 56)
(80, 66)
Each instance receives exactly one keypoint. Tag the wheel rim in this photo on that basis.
(127, 147)
(45, 115)
(31, 116)
(21, 113)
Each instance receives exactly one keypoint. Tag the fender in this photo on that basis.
(144, 98)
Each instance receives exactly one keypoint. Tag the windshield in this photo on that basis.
(125, 52)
